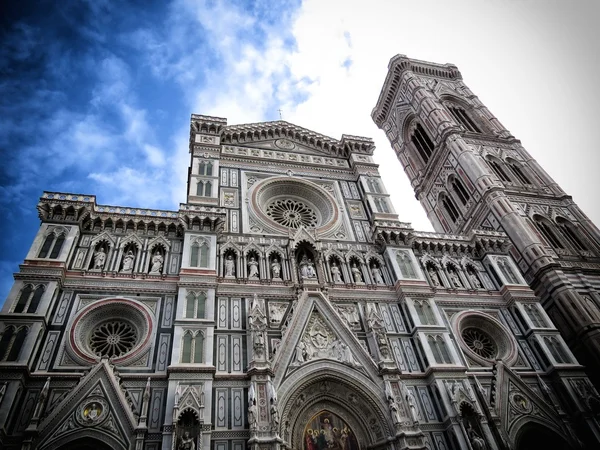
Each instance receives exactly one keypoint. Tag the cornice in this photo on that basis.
(397, 66)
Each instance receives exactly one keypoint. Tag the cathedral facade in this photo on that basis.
(285, 306)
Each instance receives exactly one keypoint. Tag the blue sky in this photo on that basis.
(96, 96)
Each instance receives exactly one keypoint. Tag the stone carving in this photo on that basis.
(394, 410)
(433, 274)
(276, 312)
(128, 262)
(476, 441)
(187, 442)
(376, 273)
(507, 271)
(307, 268)
(356, 274)
(350, 314)
(258, 326)
(99, 259)
(319, 342)
(336, 274)
(410, 401)
(276, 269)
(253, 268)
(229, 266)
(274, 416)
(473, 278)
(157, 262)
(454, 276)
(377, 327)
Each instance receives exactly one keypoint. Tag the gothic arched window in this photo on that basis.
(195, 305)
(461, 116)
(497, 167)
(11, 342)
(449, 207)
(557, 350)
(205, 168)
(457, 186)
(23, 298)
(374, 186)
(425, 313)
(199, 254)
(569, 231)
(52, 245)
(192, 347)
(518, 171)
(535, 316)
(422, 143)
(439, 349)
(547, 230)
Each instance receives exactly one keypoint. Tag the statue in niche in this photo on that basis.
(411, 402)
(99, 259)
(474, 278)
(128, 262)
(336, 274)
(406, 265)
(376, 273)
(187, 442)
(433, 274)
(477, 441)
(229, 266)
(454, 276)
(253, 268)
(307, 268)
(356, 273)
(157, 262)
(276, 269)
(258, 325)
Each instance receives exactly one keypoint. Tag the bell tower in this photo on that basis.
(469, 172)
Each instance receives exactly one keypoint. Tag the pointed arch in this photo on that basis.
(572, 233)
(547, 230)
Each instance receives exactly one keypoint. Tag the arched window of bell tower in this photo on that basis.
(547, 230)
(422, 143)
(463, 118)
(449, 207)
(571, 233)
(456, 186)
(498, 168)
(518, 170)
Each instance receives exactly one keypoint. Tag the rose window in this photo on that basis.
(113, 339)
(480, 343)
(292, 213)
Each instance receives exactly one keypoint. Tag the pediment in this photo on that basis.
(315, 331)
(283, 145)
(96, 406)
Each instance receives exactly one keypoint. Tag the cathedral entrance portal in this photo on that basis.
(326, 430)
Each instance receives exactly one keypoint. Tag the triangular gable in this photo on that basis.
(516, 404)
(317, 331)
(95, 407)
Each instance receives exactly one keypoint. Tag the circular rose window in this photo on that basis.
(483, 338)
(292, 213)
(119, 329)
(114, 338)
(282, 203)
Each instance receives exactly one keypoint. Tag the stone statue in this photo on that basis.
(276, 268)
(252, 415)
(99, 259)
(187, 442)
(474, 279)
(274, 417)
(477, 441)
(276, 313)
(376, 273)
(435, 278)
(454, 277)
(336, 274)
(394, 410)
(253, 268)
(350, 314)
(229, 266)
(301, 353)
(128, 262)
(307, 268)
(356, 274)
(157, 262)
